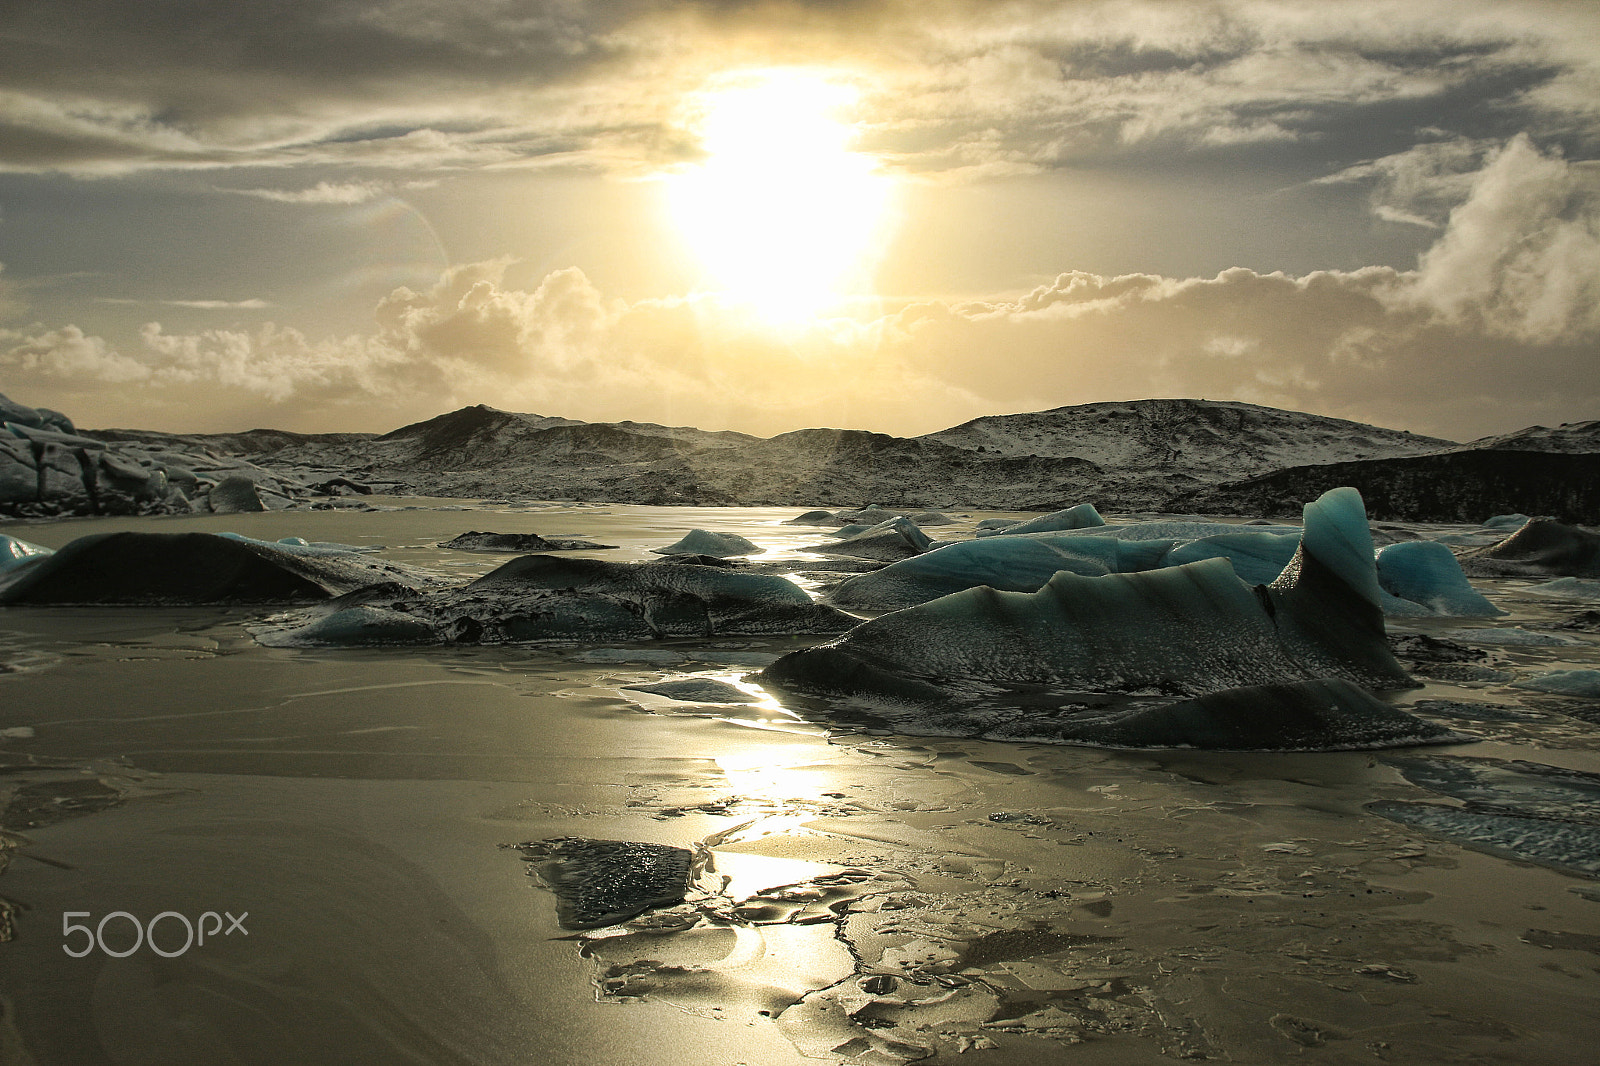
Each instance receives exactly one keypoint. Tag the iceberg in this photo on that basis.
(1189, 631)
(1581, 683)
(705, 542)
(1258, 558)
(541, 598)
(14, 552)
(193, 568)
(814, 518)
(892, 539)
(475, 541)
(1082, 516)
(1022, 563)
(235, 494)
(1427, 573)
(1541, 548)
(1298, 716)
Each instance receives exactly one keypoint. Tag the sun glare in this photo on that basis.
(783, 215)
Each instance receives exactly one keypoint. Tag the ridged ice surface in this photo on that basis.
(1011, 563)
(1194, 630)
(1427, 573)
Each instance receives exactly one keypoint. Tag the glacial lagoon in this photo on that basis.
(860, 895)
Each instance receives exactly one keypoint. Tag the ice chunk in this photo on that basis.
(14, 552)
(539, 597)
(1082, 516)
(598, 575)
(1519, 809)
(1258, 558)
(895, 538)
(1183, 630)
(705, 542)
(1541, 548)
(519, 542)
(235, 495)
(1318, 715)
(814, 518)
(1585, 683)
(605, 882)
(1427, 573)
(192, 568)
(696, 690)
(1020, 563)
(1576, 589)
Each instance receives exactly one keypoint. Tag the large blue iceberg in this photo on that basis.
(1021, 563)
(1193, 632)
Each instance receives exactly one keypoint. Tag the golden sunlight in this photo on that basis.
(784, 217)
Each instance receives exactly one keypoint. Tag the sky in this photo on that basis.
(893, 215)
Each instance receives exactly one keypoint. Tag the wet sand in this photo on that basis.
(862, 897)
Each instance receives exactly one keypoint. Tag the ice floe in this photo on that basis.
(193, 568)
(1083, 516)
(1541, 548)
(1519, 809)
(541, 597)
(518, 542)
(706, 542)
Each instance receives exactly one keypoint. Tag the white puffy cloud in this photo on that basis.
(1521, 255)
(1496, 328)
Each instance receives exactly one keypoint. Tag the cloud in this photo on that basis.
(253, 304)
(323, 192)
(965, 87)
(1496, 328)
(1521, 256)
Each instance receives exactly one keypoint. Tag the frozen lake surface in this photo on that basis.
(861, 897)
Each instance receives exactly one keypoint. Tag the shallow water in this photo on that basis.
(861, 897)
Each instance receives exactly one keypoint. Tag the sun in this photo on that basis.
(783, 215)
